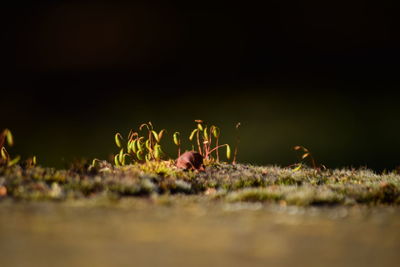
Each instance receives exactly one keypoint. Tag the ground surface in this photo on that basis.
(233, 183)
(189, 231)
(157, 215)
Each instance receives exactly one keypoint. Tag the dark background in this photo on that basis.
(323, 74)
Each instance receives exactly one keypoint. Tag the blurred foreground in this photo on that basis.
(189, 232)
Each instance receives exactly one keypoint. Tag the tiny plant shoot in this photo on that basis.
(204, 139)
(177, 142)
(237, 141)
(6, 138)
(139, 148)
(306, 154)
(145, 144)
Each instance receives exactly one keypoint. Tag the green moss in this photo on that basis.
(238, 182)
(255, 194)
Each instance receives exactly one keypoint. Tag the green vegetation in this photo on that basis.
(220, 181)
(139, 148)
(6, 137)
(204, 141)
(141, 169)
(306, 154)
(147, 147)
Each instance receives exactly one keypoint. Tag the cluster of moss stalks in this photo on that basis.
(228, 182)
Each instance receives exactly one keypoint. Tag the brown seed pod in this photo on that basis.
(190, 160)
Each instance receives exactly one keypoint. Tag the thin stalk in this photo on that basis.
(198, 143)
(209, 142)
(2, 139)
(235, 152)
(150, 145)
(216, 145)
(236, 143)
(314, 164)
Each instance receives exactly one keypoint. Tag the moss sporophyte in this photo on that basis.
(139, 148)
(145, 145)
(204, 140)
(6, 138)
(143, 169)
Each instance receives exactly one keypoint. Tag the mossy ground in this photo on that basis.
(225, 182)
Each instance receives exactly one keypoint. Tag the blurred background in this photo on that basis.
(318, 74)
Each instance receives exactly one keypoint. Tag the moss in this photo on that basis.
(238, 182)
(255, 194)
